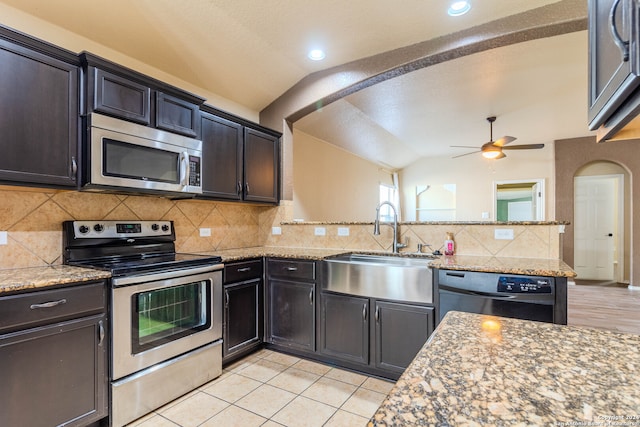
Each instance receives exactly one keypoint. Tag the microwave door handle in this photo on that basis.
(184, 168)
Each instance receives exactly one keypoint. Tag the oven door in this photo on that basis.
(163, 315)
(128, 155)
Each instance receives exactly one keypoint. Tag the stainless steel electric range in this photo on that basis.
(165, 311)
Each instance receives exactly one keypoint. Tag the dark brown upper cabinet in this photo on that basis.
(39, 123)
(117, 91)
(241, 160)
(614, 65)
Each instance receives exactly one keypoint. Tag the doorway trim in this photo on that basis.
(540, 206)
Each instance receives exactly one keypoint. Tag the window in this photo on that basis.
(388, 193)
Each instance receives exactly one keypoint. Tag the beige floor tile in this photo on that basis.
(303, 412)
(375, 384)
(346, 419)
(263, 370)
(266, 400)
(294, 380)
(346, 376)
(232, 388)
(237, 366)
(271, 424)
(283, 359)
(177, 400)
(330, 391)
(235, 417)
(313, 367)
(152, 420)
(195, 410)
(364, 402)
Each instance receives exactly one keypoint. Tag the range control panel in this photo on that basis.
(114, 229)
(522, 284)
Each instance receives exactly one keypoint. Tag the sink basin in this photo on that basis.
(388, 277)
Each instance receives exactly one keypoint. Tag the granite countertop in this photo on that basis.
(21, 279)
(507, 265)
(229, 255)
(478, 370)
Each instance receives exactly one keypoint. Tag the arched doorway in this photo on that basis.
(602, 223)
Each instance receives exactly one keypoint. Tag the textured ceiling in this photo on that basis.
(251, 52)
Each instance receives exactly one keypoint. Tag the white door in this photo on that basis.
(596, 209)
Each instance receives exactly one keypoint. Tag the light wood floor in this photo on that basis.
(612, 308)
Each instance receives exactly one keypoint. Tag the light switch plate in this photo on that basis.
(276, 231)
(343, 231)
(503, 234)
(3, 237)
(485, 215)
(320, 231)
(205, 232)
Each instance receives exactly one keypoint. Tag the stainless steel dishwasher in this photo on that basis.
(506, 295)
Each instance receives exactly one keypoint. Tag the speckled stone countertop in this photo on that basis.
(32, 278)
(494, 223)
(230, 255)
(479, 370)
(527, 266)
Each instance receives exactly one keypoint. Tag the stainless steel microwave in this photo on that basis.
(130, 157)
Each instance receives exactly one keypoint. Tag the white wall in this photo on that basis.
(474, 177)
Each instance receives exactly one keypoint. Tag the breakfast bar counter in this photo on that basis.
(478, 370)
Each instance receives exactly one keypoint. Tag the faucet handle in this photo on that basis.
(403, 245)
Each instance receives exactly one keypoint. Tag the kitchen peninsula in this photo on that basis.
(486, 370)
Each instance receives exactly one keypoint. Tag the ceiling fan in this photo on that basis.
(493, 149)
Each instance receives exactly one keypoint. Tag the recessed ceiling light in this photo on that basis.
(458, 8)
(316, 55)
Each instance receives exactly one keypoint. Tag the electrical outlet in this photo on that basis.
(205, 232)
(3, 237)
(503, 234)
(343, 231)
(276, 231)
(320, 231)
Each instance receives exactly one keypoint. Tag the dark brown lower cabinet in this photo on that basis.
(400, 332)
(242, 318)
(380, 337)
(292, 314)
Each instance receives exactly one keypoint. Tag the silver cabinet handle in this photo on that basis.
(243, 269)
(48, 304)
(311, 297)
(74, 166)
(100, 333)
(292, 268)
(622, 45)
(364, 312)
(377, 314)
(226, 298)
(246, 187)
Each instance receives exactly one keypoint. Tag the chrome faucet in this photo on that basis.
(376, 226)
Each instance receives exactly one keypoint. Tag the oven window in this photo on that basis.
(133, 161)
(167, 314)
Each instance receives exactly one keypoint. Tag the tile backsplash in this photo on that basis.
(32, 220)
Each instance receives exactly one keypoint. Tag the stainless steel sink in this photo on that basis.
(379, 276)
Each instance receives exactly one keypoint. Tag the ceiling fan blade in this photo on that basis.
(462, 146)
(465, 154)
(501, 142)
(524, 147)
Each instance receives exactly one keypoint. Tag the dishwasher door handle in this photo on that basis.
(477, 293)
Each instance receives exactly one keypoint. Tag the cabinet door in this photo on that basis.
(39, 117)
(221, 157)
(54, 375)
(613, 57)
(242, 317)
(292, 314)
(261, 164)
(345, 327)
(120, 97)
(176, 115)
(400, 332)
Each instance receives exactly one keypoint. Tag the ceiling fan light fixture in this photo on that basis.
(316, 55)
(459, 7)
(492, 153)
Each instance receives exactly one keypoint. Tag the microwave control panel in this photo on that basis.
(194, 171)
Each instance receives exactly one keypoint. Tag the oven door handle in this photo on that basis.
(180, 272)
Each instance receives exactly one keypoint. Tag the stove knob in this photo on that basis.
(154, 227)
(165, 227)
(98, 228)
(83, 229)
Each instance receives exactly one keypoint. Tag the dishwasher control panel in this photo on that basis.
(521, 284)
